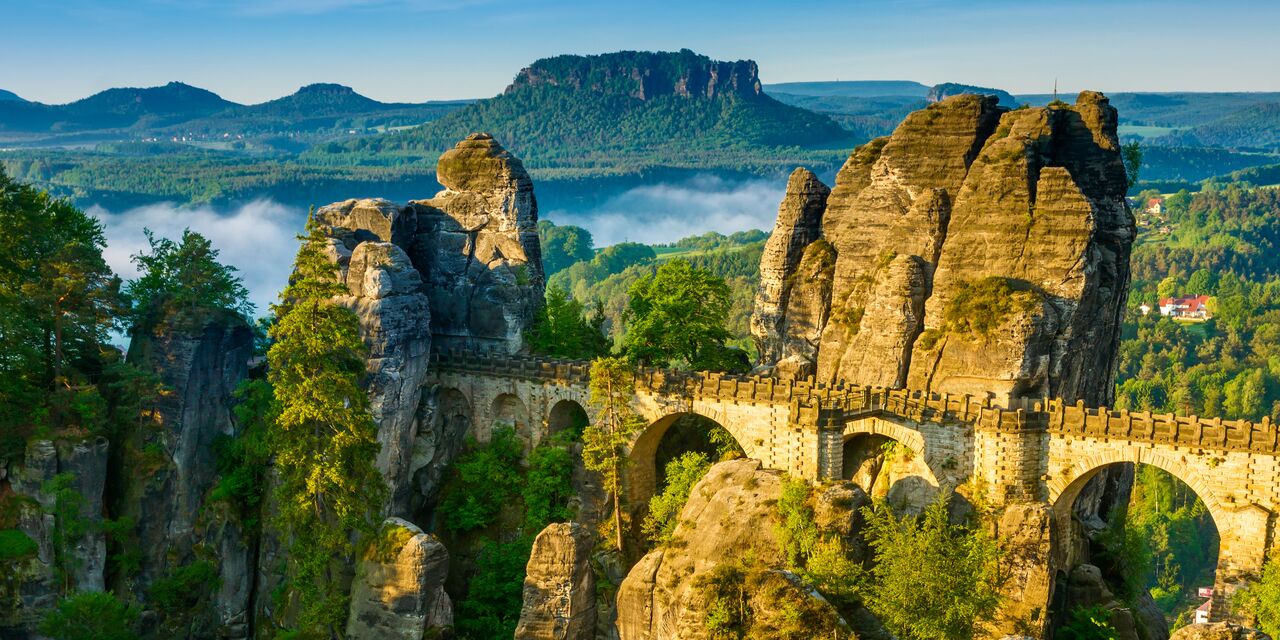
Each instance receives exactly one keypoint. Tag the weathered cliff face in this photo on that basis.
(729, 517)
(799, 225)
(170, 464)
(560, 586)
(398, 592)
(644, 75)
(477, 244)
(1029, 204)
(462, 269)
(386, 293)
(59, 491)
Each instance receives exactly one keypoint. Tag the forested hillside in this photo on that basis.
(605, 123)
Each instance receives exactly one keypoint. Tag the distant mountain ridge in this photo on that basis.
(9, 96)
(851, 88)
(177, 107)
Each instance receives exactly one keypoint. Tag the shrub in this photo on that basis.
(491, 607)
(664, 509)
(929, 564)
(90, 616)
(1261, 600)
(1087, 623)
(484, 479)
(982, 306)
(16, 545)
(547, 488)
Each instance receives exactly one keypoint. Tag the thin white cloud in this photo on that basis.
(318, 7)
(669, 211)
(258, 239)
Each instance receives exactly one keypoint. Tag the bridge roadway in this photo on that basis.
(1039, 451)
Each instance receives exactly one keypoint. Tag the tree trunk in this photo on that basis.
(617, 507)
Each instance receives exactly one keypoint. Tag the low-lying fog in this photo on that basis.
(258, 238)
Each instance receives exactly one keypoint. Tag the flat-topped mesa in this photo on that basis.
(644, 74)
(977, 250)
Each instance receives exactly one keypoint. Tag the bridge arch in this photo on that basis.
(645, 463)
(507, 410)
(891, 461)
(566, 414)
(1239, 553)
(1065, 486)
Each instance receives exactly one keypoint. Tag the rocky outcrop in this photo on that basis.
(171, 464)
(559, 586)
(1025, 532)
(1218, 631)
(477, 246)
(1086, 587)
(398, 592)
(462, 269)
(644, 75)
(940, 92)
(58, 509)
(729, 516)
(799, 225)
(968, 211)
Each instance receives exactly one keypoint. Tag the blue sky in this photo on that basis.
(412, 50)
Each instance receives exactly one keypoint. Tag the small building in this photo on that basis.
(1186, 308)
(1144, 308)
(1202, 612)
(1155, 206)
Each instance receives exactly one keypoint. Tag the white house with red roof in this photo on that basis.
(1186, 308)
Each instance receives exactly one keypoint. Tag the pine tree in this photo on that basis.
(605, 441)
(324, 439)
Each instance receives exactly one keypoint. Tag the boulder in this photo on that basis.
(1218, 631)
(559, 586)
(724, 542)
(398, 592)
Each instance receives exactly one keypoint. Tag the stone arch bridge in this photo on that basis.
(1042, 452)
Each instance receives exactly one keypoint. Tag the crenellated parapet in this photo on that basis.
(1164, 428)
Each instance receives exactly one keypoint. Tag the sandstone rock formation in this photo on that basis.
(644, 75)
(172, 468)
(1218, 631)
(799, 225)
(61, 481)
(559, 586)
(398, 592)
(967, 212)
(462, 269)
(729, 517)
(477, 244)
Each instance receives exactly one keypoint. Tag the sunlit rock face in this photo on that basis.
(398, 592)
(461, 269)
(968, 211)
(477, 246)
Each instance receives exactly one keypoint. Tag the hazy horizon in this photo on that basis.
(80, 47)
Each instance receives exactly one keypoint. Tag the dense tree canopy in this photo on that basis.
(323, 437)
(180, 278)
(58, 300)
(562, 329)
(677, 317)
(563, 245)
